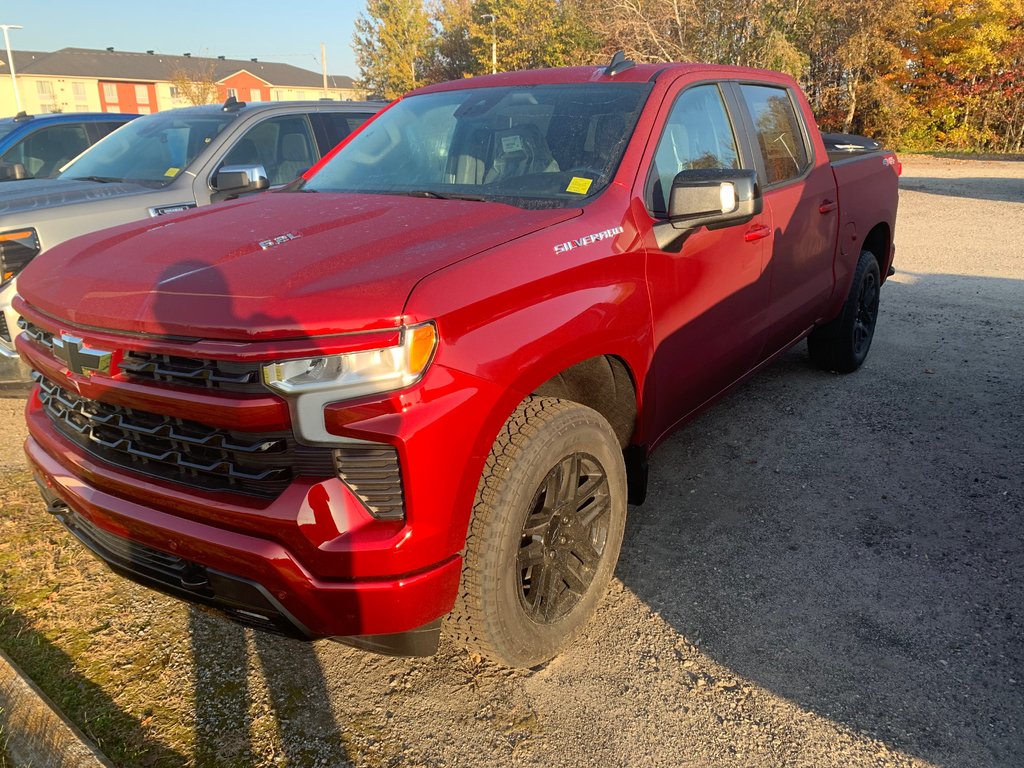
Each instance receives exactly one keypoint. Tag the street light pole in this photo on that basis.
(494, 41)
(10, 61)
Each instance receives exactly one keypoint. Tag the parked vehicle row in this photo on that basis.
(422, 383)
(37, 146)
(164, 162)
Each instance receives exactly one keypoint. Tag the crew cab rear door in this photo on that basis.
(709, 288)
(800, 194)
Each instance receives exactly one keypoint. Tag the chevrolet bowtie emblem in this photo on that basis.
(79, 358)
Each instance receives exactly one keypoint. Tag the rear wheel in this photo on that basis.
(545, 535)
(842, 344)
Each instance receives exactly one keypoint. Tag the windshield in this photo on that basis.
(151, 150)
(531, 146)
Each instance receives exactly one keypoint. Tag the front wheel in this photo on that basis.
(545, 534)
(842, 344)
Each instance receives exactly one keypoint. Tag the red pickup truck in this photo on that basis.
(424, 381)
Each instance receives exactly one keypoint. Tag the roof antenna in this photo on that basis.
(231, 104)
(619, 63)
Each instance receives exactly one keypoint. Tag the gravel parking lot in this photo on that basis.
(828, 571)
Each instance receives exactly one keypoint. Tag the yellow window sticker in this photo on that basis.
(172, 172)
(579, 186)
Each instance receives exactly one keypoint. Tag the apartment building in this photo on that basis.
(86, 80)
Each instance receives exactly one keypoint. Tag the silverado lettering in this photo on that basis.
(563, 247)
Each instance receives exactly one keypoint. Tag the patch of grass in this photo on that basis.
(76, 630)
(153, 682)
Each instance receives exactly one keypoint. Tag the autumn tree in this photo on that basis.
(965, 75)
(391, 42)
(918, 74)
(530, 34)
(452, 49)
(196, 84)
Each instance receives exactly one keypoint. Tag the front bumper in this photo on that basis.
(250, 579)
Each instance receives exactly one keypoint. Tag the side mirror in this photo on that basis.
(239, 179)
(12, 172)
(714, 197)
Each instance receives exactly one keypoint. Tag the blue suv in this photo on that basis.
(37, 146)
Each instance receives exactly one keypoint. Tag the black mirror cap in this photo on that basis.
(241, 178)
(697, 195)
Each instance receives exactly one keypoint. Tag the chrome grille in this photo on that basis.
(172, 369)
(374, 475)
(180, 450)
(39, 335)
(192, 372)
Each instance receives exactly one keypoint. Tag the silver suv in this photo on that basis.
(157, 164)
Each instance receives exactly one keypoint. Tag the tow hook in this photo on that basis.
(194, 579)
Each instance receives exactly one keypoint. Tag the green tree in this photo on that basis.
(452, 54)
(391, 41)
(530, 34)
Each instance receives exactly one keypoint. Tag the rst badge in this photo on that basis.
(264, 244)
(79, 358)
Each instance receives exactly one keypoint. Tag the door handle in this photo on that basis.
(826, 206)
(758, 232)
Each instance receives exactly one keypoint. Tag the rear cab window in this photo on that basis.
(779, 132)
(332, 128)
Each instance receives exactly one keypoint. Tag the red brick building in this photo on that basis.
(86, 80)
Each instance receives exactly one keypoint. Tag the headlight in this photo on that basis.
(17, 248)
(311, 383)
(357, 373)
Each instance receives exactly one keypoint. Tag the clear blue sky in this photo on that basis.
(271, 30)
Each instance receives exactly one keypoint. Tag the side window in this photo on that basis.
(282, 145)
(338, 125)
(100, 129)
(697, 134)
(46, 150)
(778, 132)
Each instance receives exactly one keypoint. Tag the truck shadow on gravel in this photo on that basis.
(287, 685)
(855, 543)
(997, 188)
(258, 698)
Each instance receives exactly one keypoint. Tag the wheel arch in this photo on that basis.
(879, 242)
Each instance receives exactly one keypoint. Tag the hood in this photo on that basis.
(279, 265)
(29, 195)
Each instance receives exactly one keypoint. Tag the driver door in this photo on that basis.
(709, 289)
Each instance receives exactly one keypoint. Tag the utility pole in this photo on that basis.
(10, 62)
(494, 40)
(323, 63)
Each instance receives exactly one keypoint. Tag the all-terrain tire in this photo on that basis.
(545, 533)
(842, 344)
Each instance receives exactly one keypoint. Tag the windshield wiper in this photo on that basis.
(442, 195)
(98, 179)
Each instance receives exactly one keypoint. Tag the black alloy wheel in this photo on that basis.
(563, 538)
